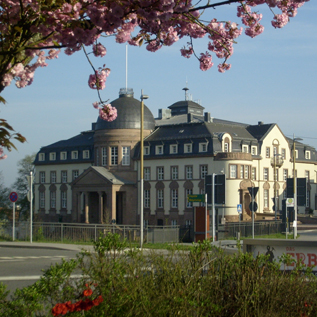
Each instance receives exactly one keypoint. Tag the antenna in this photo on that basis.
(126, 67)
(186, 89)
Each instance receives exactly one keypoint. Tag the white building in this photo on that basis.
(94, 177)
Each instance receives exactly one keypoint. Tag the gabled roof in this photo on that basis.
(103, 173)
(260, 131)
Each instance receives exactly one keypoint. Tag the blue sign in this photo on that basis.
(239, 208)
(13, 197)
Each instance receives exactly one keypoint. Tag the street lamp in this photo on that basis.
(141, 167)
(276, 162)
(295, 187)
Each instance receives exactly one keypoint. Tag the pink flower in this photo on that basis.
(108, 113)
(99, 50)
(2, 155)
(205, 61)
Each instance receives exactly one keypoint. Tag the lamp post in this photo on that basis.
(295, 187)
(276, 163)
(141, 167)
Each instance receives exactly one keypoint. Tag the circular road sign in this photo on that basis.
(254, 207)
(13, 197)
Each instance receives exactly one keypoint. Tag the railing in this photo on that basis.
(83, 233)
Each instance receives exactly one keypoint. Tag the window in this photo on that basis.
(53, 199)
(146, 198)
(174, 172)
(202, 147)
(188, 223)
(245, 149)
(267, 152)
(189, 172)
(266, 174)
(64, 199)
(53, 177)
(74, 155)
(246, 171)
(254, 150)
(126, 155)
(203, 171)
(75, 174)
(307, 155)
(147, 173)
(64, 176)
(226, 147)
(189, 204)
(52, 156)
(173, 149)
(174, 223)
(233, 171)
(42, 177)
(253, 173)
(104, 156)
(63, 156)
(285, 175)
(241, 171)
(266, 198)
(160, 173)
(188, 148)
(146, 150)
(174, 198)
(86, 154)
(42, 200)
(276, 175)
(42, 157)
(160, 198)
(283, 154)
(275, 150)
(159, 150)
(114, 155)
(308, 198)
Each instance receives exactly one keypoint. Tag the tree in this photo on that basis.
(25, 166)
(4, 199)
(29, 27)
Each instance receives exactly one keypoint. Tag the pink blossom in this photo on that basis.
(223, 67)
(187, 52)
(99, 50)
(205, 61)
(108, 113)
(98, 80)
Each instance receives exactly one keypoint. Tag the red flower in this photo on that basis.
(59, 309)
(98, 300)
(87, 292)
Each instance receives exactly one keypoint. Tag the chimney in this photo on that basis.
(190, 117)
(207, 117)
(260, 122)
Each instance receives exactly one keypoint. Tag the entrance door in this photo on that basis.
(119, 207)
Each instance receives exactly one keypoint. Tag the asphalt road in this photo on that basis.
(20, 267)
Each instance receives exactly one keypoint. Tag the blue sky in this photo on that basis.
(272, 79)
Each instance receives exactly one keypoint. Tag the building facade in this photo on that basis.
(95, 176)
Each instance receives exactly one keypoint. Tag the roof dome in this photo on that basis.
(129, 114)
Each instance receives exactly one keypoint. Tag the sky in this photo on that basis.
(272, 79)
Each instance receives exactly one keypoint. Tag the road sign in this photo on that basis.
(196, 198)
(290, 202)
(253, 206)
(13, 197)
(239, 208)
(253, 191)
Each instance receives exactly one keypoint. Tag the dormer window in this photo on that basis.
(254, 150)
(173, 149)
(159, 150)
(42, 157)
(146, 150)
(74, 155)
(203, 147)
(52, 156)
(245, 149)
(307, 155)
(188, 148)
(63, 156)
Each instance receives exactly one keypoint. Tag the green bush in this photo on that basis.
(121, 281)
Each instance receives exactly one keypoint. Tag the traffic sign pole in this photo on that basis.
(13, 223)
(206, 209)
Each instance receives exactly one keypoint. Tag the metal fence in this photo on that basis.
(83, 233)
(231, 230)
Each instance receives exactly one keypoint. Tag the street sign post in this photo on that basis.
(13, 198)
